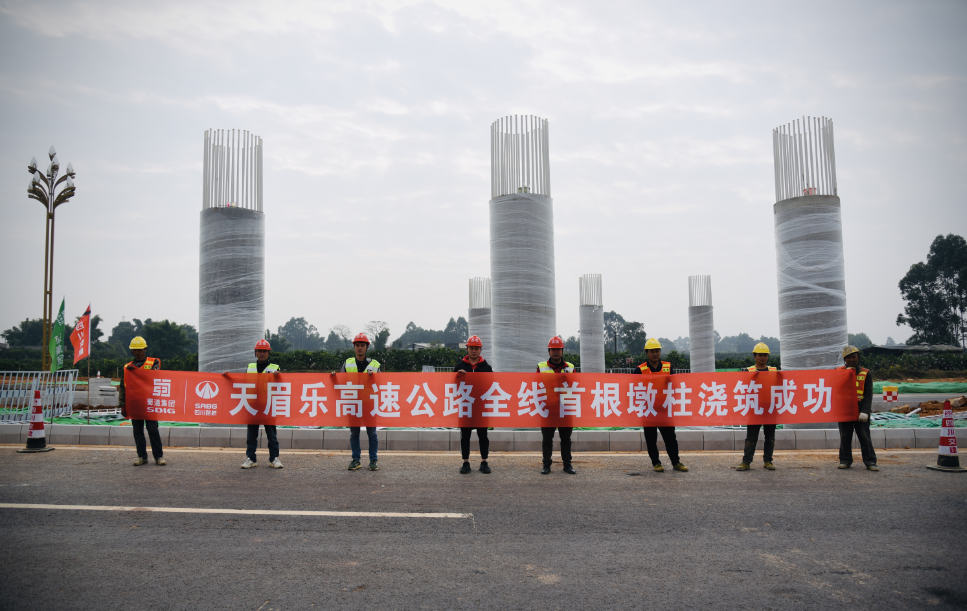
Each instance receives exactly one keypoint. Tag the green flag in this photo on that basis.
(57, 341)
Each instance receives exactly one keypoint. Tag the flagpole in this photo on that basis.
(88, 387)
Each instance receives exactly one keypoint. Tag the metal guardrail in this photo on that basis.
(56, 392)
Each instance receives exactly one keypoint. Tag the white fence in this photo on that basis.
(56, 391)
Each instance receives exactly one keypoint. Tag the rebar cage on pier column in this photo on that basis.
(232, 251)
(591, 323)
(809, 245)
(478, 316)
(524, 315)
(701, 326)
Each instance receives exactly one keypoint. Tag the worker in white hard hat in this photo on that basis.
(139, 349)
(761, 355)
(358, 363)
(652, 366)
(861, 426)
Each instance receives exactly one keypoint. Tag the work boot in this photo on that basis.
(768, 465)
(659, 468)
(546, 469)
(569, 469)
(743, 467)
(275, 463)
(484, 467)
(354, 464)
(160, 461)
(843, 465)
(465, 469)
(140, 461)
(249, 463)
(680, 467)
(872, 467)
(373, 465)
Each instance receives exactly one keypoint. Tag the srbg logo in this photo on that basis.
(207, 390)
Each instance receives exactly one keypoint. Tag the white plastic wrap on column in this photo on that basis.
(524, 316)
(231, 288)
(812, 281)
(591, 323)
(478, 318)
(701, 326)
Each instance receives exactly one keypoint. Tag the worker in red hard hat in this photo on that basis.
(556, 364)
(356, 364)
(470, 363)
(261, 365)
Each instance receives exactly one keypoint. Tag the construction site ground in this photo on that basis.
(418, 535)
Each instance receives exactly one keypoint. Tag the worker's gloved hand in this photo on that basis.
(131, 367)
(369, 372)
(332, 374)
(224, 373)
(864, 417)
(461, 373)
(276, 372)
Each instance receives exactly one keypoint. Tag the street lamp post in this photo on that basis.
(44, 189)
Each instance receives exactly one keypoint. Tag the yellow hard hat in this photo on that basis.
(760, 348)
(653, 344)
(848, 350)
(138, 343)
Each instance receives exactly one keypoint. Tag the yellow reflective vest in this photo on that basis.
(545, 367)
(254, 368)
(351, 365)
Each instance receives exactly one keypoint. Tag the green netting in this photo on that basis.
(888, 420)
(926, 387)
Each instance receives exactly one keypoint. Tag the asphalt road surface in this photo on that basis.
(614, 536)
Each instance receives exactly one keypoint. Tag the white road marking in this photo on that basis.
(253, 512)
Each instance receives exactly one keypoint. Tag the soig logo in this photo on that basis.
(207, 390)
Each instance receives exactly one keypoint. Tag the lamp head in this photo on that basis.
(70, 170)
(51, 152)
(32, 166)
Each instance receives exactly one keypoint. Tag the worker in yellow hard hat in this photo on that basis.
(864, 400)
(654, 365)
(761, 355)
(138, 349)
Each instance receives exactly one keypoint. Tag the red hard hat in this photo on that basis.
(556, 342)
(473, 340)
(263, 345)
(361, 337)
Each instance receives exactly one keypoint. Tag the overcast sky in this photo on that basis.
(375, 118)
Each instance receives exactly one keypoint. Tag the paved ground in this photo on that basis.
(613, 536)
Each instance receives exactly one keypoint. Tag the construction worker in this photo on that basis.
(654, 365)
(864, 399)
(138, 348)
(556, 364)
(470, 363)
(761, 355)
(262, 365)
(356, 364)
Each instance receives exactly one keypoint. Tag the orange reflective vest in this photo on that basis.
(754, 369)
(860, 381)
(666, 367)
(148, 363)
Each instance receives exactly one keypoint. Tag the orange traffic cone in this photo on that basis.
(947, 457)
(36, 437)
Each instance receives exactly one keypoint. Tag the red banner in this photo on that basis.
(81, 338)
(493, 399)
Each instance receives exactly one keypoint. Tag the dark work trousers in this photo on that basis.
(252, 440)
(671, 443)
(752, 438)
(138, 426)
(862, 430)
(355, 446)
(547, 443)
(465, 432)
